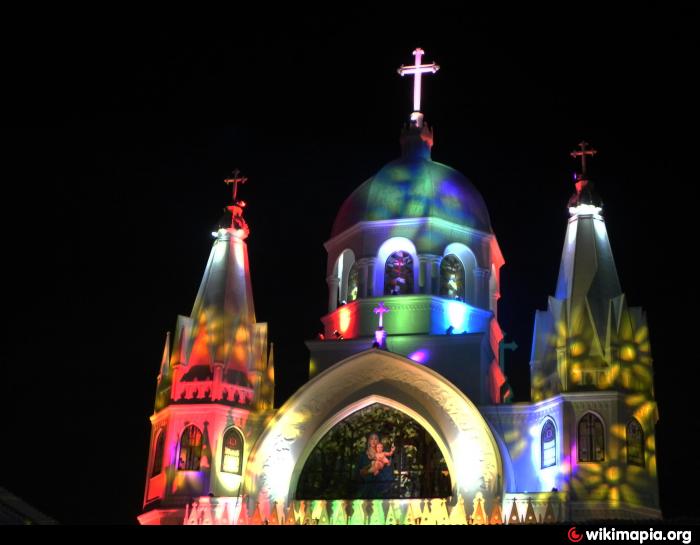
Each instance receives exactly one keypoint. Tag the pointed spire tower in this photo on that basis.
(215, 386)
(589, 339)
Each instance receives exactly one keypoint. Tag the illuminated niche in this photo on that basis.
(398, 274)
(452, 278)
(407, 462)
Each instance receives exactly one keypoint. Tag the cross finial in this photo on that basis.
(381, 309)
(236, 207)
(237, 179)
(582, 153)
(417, 70)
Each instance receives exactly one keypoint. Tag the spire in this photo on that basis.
(165, 359)
(223, 316)
(587, 274)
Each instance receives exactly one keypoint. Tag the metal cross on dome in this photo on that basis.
(381, 309)
(417, 70)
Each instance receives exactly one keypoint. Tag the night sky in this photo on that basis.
(118, 134)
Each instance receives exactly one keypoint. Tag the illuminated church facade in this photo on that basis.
(407, 416)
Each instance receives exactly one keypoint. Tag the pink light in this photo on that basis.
(419, 356)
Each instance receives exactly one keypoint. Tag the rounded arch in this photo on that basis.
(389, 247)
(341, 272)
(465, 439)
(468, 260)
(353, 408)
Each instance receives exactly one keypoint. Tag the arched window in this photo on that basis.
(635, 443)
(398, 274)
(452, 278)
(232, 459)
(190, 449)
(158, 454)
(591, 439)
(353, 283)
(549, 444)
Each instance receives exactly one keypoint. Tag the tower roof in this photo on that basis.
(415, 186)
(223, 314)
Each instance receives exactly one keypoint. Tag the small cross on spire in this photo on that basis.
(582, 153)
(236, 207)
(417, 70)
(381, 309)
(237, 179)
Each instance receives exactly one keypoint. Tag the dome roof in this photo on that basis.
(414, 186)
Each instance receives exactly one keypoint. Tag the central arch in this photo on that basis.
(350, 412)
(452, 420)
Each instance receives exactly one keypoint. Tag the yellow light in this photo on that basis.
(613, 474)
(577, 348)
(628, 353)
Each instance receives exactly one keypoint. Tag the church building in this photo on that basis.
(407, 416)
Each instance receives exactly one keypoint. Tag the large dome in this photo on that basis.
(414, 186)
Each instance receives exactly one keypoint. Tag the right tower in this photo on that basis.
(593, 349)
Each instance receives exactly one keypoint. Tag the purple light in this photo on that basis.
(420, 356)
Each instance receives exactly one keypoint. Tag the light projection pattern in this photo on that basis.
(413, 187)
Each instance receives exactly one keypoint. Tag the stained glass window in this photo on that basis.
(635, 443)
(549, 445)
(452, 277)
(398, 274)
(158, 454)
(232, 459)
(591, 439)
(190, 449)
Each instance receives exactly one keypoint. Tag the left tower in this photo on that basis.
(215, 386)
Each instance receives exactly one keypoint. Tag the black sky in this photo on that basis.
(119, 133)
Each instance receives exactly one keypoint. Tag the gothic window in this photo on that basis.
(158, 454)
(232, 459)
(452, 278)
(549, 445)
(353, 283)
(591, 439)
(635, 443)
(398, 274)
(190, 449)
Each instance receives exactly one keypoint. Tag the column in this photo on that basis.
(333, 283)
(364, 276)
(428, 267)
(481, 289)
